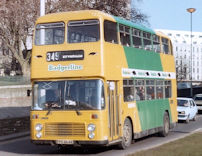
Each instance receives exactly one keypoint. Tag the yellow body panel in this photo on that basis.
(69, 117)
(168, 65)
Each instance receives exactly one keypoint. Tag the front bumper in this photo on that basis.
(182, 117)
(75, 143)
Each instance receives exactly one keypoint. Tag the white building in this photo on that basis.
(181, 41)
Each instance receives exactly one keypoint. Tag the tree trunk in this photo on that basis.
(26, 70)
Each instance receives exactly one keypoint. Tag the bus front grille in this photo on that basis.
(64, 129)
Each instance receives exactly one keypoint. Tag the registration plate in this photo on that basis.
(67, 142)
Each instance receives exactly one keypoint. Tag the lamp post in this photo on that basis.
(191, 10)
(42, 7)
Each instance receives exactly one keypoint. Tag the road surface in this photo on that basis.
(23, 146)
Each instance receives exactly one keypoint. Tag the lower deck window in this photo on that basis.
(146, 89)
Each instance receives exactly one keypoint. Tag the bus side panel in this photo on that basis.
(151, 113)
(141, 59)
(168, 64)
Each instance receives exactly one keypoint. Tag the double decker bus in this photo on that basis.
(98, 79)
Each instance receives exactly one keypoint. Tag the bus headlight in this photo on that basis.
(91, 127)
(38, 127)
(38, 135)
(91, 135)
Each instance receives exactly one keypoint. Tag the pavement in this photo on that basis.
(14, 122)
(14, 112)
(14, 136)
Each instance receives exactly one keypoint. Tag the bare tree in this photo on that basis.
(16, 25)
(17, 21)
(181, 71)
(121, 8)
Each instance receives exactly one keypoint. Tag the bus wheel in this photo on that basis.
(166, 125)
(127, 135)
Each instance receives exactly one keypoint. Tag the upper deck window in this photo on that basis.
(110, 32)
(137, 41)
(147, 41)
(83, 31)
(49, 33)
(124, 35)
(165, 45)
(156, 43)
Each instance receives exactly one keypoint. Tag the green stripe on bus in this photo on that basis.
(141, 59)
(134, 25)
(151, 113)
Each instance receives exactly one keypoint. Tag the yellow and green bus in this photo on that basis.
(98, 79)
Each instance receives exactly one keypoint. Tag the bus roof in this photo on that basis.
(90, 14)
(134, 25)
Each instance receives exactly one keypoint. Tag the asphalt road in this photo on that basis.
(23, 146)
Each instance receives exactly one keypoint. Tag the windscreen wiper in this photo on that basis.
(76, 108)
(50, 105)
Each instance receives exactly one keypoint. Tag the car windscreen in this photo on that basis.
(183, 103)
(198, 98)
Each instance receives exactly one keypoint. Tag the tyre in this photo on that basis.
(127, 135)
(194, 119)
(166, 125)
(187, 120)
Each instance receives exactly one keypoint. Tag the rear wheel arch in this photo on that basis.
(167, 111)
(131, 121)
(166, 125)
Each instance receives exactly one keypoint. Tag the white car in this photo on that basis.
(187, 109)
(198, 101)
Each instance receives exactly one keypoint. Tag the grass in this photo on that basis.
(188, 146)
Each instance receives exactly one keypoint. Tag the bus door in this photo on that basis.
(113, 107)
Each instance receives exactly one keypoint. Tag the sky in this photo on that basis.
(172, 14)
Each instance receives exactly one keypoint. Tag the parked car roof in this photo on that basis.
(184, 98)
(198, 95)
